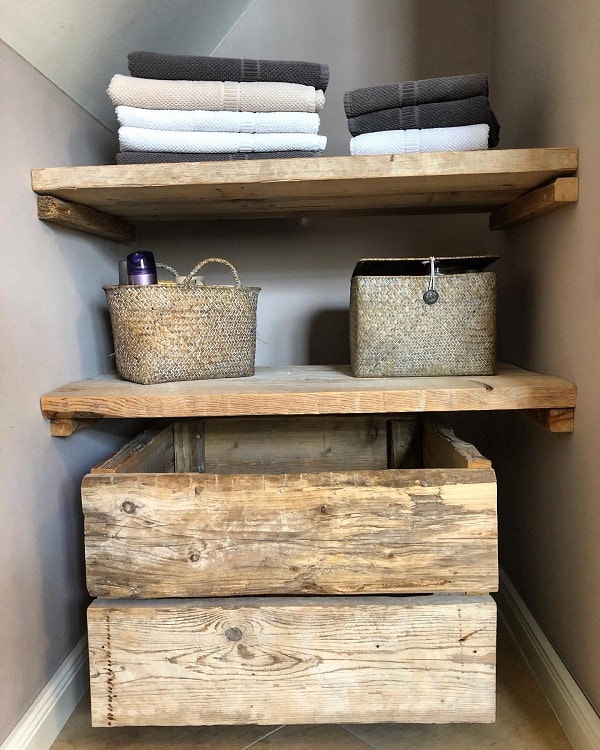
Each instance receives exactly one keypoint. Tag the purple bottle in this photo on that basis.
(141, 268)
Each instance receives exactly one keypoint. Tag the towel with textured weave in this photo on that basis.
(212, 121)
(232, 96)
(162, 157)
(411, 93)
(462, 138)
(200, 68)
(143, 139)
(472, 111)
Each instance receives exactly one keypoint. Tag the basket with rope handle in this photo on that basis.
(171, 332)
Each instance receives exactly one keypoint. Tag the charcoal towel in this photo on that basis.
(145, 139)
(199, 68)
(462, 138)
(411, 93)
(212, 121)
(149, 93)
(162, 157)
(471, 111)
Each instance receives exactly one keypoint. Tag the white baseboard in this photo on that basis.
(578, 719)
(42, 723)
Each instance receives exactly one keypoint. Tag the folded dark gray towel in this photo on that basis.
(411, 93)
(471, 111)
(202, 68)
(160, 157)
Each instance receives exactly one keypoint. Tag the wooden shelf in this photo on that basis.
(513, 185)
(312, 390)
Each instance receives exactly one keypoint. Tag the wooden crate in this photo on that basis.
(292, 660)
(302, 505)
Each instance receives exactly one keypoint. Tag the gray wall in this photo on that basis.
(545, 82)
(52, 331)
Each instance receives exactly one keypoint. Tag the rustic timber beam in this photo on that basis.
(84, 219)
(66, 427)
(543, 200)
(554, 420)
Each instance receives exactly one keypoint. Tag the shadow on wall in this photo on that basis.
(329, 338)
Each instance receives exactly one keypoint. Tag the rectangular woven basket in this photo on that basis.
(165, 333)
(394, 332)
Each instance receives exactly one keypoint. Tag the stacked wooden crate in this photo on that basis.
(264, 570)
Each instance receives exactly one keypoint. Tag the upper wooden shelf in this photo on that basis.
(312, 390)
(513, 185)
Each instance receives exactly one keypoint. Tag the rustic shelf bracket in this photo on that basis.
(66, 427)
(554, 420)
(84, 219)
(543, 200)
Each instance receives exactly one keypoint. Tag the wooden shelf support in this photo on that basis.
(66, 427)
(560, 193)
(84, 219)
(554, 420)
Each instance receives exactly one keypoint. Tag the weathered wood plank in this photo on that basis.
(478, 180)
(306, 660)
(250, 445)
(308, 390)
(84, 219)
(544, 200)
(441, 447)
(405, 443)
(152, 450)
(554, 420)
(162, 535)
(188, 442)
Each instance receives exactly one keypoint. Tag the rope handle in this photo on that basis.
(167, 268)
(188, 279)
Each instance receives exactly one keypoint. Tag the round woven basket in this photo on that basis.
(165, 333)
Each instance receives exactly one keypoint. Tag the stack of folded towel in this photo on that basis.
(176, 108)
(436, 114)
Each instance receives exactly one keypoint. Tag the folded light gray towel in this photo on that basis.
(202, 68)
(411, 93)
(157, 157)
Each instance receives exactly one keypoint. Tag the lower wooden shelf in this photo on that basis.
(312, 390)
(266, 570)
(292, 660)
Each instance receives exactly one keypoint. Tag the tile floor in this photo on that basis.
(524, 722)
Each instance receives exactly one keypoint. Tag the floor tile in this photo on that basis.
(78, 734)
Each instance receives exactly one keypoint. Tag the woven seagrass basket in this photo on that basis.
(164, 333)
(395, 332)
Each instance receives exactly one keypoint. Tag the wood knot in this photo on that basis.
(324, 509)
(128, 507)
(233, 634)
(199, 490)
(194, 557)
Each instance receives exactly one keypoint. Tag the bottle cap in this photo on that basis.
(141, 262)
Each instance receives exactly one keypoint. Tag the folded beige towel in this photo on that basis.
(230, 96)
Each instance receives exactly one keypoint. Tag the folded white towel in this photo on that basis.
(150, 93)
(215, 121)
(143, 139)
(462, 138)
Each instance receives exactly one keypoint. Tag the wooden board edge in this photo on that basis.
(554, 420)
(84, 219)
(561, 192)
